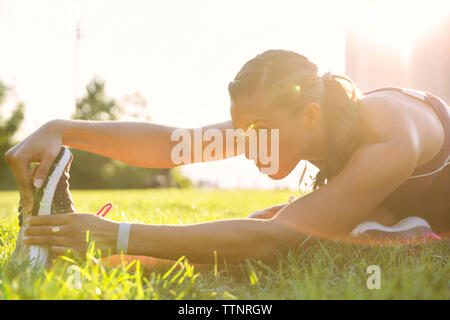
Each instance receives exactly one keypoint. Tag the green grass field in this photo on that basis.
(322, 270)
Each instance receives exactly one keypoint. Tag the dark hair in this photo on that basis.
(291, 80)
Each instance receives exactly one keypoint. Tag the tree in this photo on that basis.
(9, 125)
(91, 171)
(95, 105)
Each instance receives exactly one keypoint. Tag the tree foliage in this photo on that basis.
(91, 171)
(9, 125)
(95, 105)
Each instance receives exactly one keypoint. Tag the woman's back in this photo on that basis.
(426, 192)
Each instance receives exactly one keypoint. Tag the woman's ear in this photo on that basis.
(312, 114)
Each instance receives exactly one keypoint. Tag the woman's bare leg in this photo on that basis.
(383, 215)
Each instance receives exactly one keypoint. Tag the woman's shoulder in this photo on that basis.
(387, 115)
(383, 116)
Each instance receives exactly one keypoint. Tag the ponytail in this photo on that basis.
(341, 115)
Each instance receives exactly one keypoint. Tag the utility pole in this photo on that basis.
(78, 36)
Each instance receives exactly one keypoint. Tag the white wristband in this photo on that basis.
(122, 237)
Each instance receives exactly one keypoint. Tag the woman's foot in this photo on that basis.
(411, 229)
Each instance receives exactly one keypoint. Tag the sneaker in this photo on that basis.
(53, 197)
(405, 231)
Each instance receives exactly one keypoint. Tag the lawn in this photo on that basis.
(321, 270)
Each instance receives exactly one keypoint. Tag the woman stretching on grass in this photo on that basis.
(382, 157)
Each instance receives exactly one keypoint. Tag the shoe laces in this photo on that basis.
(105, 208)
(430, 236)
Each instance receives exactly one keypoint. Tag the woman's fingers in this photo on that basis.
(43, 169)
(33, 172)
(53, 220)
(42, 146)
(70, 230)
(264, 214)
(46, 240)
(19, 167)
(45, 230)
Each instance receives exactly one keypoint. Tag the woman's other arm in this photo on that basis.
(137, 143)
(140, 144)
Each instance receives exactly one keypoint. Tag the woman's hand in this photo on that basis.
(42, 146)
(271, 211)
(70, 233)
(263, 214)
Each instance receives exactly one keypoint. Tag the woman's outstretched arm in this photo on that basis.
(140, 144)
(232, 239)
(136, 143)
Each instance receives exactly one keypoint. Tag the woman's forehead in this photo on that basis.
(249, 109)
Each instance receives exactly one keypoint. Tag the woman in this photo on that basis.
(382, 157)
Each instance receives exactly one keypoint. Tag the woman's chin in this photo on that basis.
(277, 176)
(280, 174)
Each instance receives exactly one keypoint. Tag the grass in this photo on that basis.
(323, 270)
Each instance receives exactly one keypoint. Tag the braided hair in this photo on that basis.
(291, 81)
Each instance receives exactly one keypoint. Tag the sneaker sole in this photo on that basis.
(39, 254)
(407, 229)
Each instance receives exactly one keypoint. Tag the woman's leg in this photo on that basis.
(383, 215)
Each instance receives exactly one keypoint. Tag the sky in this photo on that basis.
(181, 55)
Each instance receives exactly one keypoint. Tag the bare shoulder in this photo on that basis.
(383, 117)
(387, 116)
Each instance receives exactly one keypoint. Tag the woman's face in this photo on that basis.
(297, 130)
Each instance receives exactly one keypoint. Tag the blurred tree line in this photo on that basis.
(88, 170)
(9, 125)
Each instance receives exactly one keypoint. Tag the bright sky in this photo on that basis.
(180, 55)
